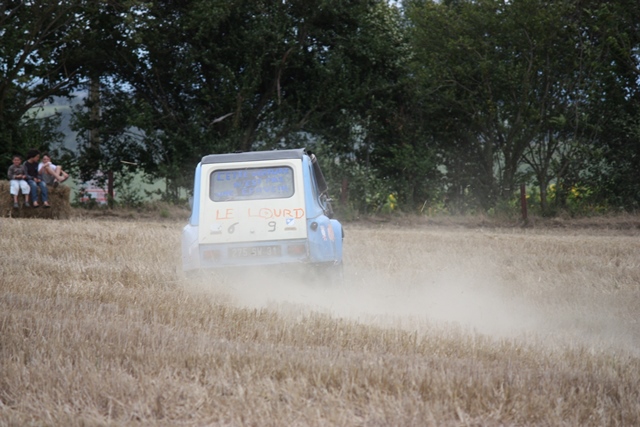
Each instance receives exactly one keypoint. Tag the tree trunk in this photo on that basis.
(543, 198)
(94, 102)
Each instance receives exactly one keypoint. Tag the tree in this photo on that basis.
(506, 76)
(568, 64)
(34, 67)
(615, 169)
(101, 47)
(222, 76)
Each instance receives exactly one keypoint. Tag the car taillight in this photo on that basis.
(296, 249)
(211, 254)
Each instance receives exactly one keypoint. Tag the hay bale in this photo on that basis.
(58, 199)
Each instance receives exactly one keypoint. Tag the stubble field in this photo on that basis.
(442, 326)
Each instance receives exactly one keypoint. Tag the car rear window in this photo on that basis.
(251, 184)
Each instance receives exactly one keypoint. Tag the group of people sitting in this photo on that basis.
(32, 175)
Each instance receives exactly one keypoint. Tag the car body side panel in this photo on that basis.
(190, 248)
(314, 210)
(339, 237)
(322, 241)
(195, 209)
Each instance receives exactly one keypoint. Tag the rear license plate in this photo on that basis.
(255, 251)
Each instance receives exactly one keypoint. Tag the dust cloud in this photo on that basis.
(476, 302)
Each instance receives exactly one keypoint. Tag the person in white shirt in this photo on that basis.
(51, 174)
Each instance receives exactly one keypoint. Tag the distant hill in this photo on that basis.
(64, 107)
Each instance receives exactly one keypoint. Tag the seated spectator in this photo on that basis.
(18, 181)
(35, 180)
(51, 174)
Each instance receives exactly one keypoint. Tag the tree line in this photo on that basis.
(443, 105)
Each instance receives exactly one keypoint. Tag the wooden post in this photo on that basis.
(344, 191)
(110, 188)
(523, 202)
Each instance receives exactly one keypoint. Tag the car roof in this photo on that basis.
(252, 156)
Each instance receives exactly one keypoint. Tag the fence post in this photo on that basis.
(523, 202)
(344, 191)
(110, 188)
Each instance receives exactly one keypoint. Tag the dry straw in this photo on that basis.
(58, 198)
(436, 327)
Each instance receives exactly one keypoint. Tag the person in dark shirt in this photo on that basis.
(17, 180)
(35, 180)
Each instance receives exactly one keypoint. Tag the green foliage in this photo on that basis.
(128, 193)
(390, 205)
(411, 169)
(516, 83)
(82, 199)
(436, 207)
(446, 105)
(225, 76)
(356, 187)
(580, 200)
(34, 66)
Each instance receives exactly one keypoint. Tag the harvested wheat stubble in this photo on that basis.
(58, 199)
(436, 327)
